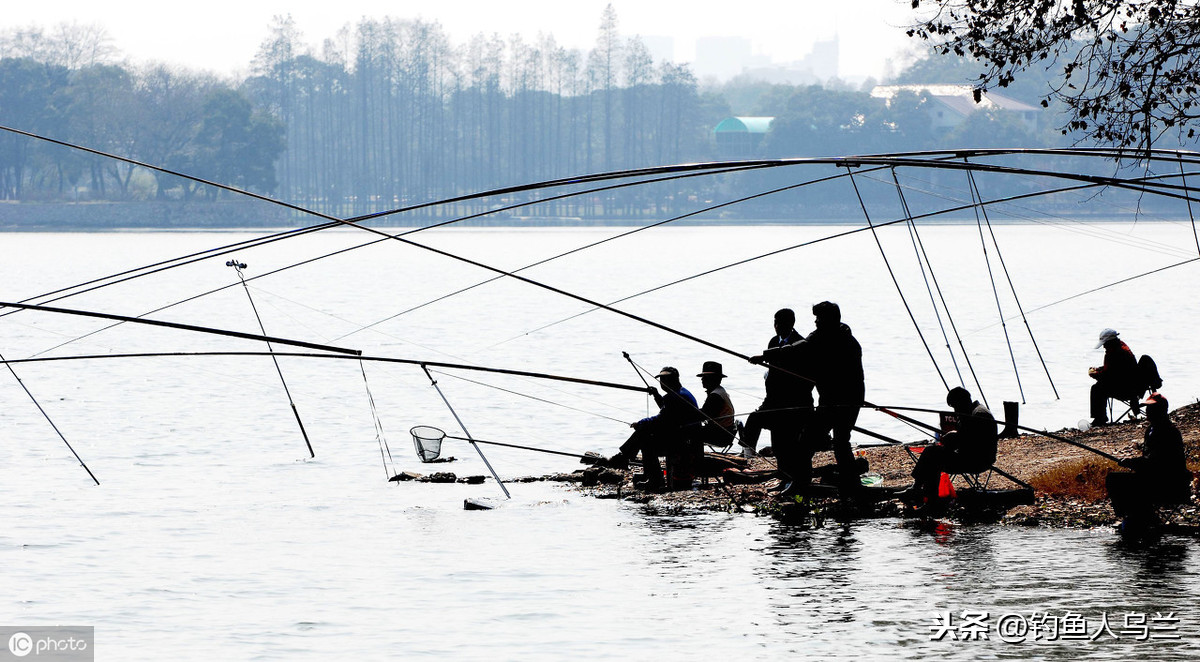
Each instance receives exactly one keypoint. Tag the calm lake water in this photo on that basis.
(214, 536)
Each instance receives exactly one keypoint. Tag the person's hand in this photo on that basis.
(756, 360)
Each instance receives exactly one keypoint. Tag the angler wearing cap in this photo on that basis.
(1117, 378)
(662, 434)
(719, 427)
(1159, 476)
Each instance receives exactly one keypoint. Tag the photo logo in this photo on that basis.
(20, 644)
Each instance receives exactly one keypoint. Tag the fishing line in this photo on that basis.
(888, 264)
(594, 244)
(919, 246)
(329, 225)
(48, 419)
(1061, 222)
(466, 432)
(532, 397)
(237, 267)
(976, 195)
(995, 292)
(380, 437)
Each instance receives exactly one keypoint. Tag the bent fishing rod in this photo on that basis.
(184, 327)
(353, 357)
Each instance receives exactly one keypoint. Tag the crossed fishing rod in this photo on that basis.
(916, 159)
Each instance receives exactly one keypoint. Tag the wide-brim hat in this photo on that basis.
(710, 368)
(1105, 336)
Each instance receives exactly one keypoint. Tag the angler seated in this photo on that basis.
(970, 447)
(1159, 477)
(718, 428)
(1117, 378)
(663, 434)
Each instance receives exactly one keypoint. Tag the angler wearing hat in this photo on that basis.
(1159, 476)
(719, 427)
(662, 434)
(1117, 378)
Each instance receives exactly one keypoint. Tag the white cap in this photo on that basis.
(1105, 336)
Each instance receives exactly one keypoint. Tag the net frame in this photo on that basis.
(428, 442)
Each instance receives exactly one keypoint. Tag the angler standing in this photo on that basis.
(664, 433)
(789, 402)
(832, 356)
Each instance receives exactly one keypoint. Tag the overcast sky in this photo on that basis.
(223, 35)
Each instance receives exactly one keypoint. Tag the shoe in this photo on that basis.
(647, 484)
(782, 487)
(618, 462)
(791, 490)
(1099, 422)
(911, 496)
(748, 452)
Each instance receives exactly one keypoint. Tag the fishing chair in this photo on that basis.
(977, 481)
(1147, 380)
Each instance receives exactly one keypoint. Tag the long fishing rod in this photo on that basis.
(355, 357)
(589, 459)
(49, 420)
(805, 244)
(917, 243)
(995, 292)
(896, 282)
(621, 235)
(238, 266)
(177, 325)
(976, 195)
(1042, 432)
(466, 432)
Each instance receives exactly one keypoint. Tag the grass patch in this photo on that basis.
(1078, 479)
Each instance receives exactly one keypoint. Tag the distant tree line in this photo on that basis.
(389, 113)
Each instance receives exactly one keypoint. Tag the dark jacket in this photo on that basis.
(1162, 457)
(675, 411)
(786, 384)
(833, 358)
(976, 438)
(1119, 372)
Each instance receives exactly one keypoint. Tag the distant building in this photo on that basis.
(725, 57)
(950, 105)
(740, 137)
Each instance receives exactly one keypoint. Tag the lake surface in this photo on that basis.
(213, 535)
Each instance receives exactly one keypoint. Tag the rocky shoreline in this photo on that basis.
(1068, 480)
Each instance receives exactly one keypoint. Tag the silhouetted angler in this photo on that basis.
(662, 434)
(719, 426)
(789, 400)
(970, 447)
(1160, 475)
(1117, 378)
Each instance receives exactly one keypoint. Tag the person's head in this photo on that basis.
(1107, 336)
(959, 399)
(1156, 406)
(827, 315)
(668, 377)
(710, 375)
(785, 321)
